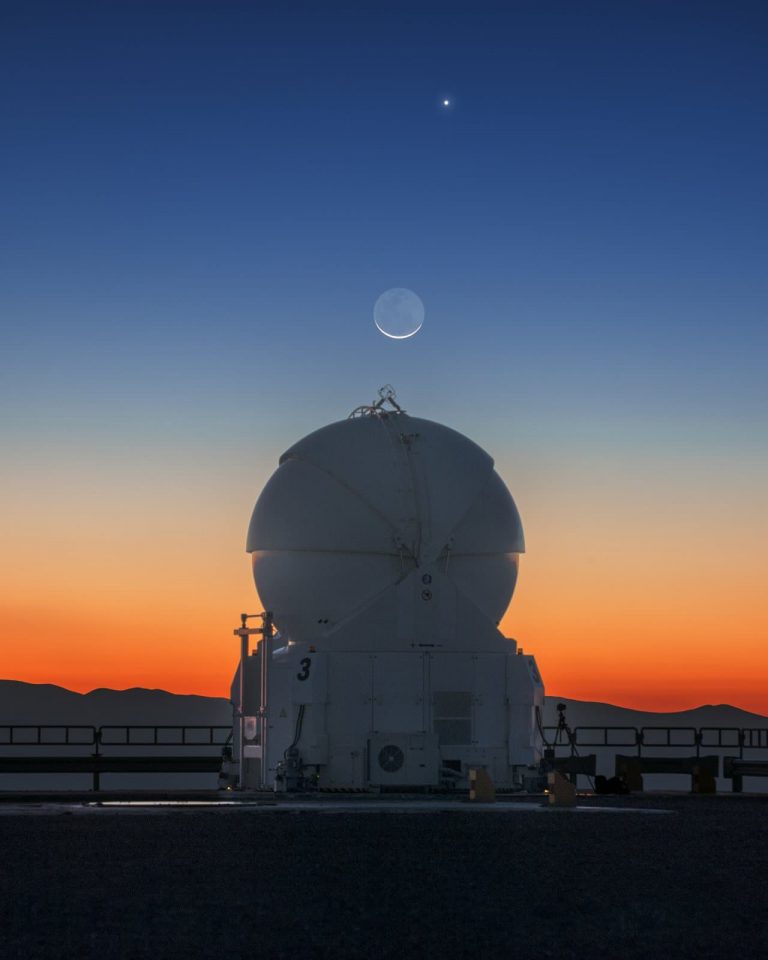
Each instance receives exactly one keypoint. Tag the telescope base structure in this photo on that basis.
(414, 718)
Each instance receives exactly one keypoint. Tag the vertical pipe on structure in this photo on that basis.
(265, 650)
(263, 709)
(241, 718)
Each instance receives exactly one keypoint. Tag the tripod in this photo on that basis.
(563, 736)
(563, 733)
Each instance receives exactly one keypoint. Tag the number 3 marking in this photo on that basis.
(305, 664)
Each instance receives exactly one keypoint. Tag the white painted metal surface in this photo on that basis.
(356, 507)
(387, 549)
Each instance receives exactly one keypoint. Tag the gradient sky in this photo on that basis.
(200, 203)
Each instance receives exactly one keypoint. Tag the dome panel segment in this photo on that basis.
(308, 593)
(419, 474)
(492, 524)
(366, 456)
(488, 581)
(302, 508)
(449, 473)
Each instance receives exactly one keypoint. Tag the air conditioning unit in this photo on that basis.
(404, 760)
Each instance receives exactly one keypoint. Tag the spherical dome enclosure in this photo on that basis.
(356, 507)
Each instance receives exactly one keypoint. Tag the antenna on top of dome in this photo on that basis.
(376, 409)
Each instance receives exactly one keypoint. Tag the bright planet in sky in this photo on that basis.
(398, 313)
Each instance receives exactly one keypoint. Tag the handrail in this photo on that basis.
(219, 735)
(750, 734)
(630, 733)
(12, 735)
(115, 735)
(665, 735)
(180, 739)
(661, 737)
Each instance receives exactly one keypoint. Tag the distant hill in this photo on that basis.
(45, 703)
(585, 713)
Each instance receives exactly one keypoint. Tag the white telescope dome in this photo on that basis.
(360, 505)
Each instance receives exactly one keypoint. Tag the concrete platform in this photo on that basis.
(266, 807)
(407, 879)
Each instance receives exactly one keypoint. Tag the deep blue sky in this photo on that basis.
(200, 203)
(200, 192)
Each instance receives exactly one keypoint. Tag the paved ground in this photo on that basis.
(239, 883)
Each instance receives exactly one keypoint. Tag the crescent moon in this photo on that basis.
(398, 313)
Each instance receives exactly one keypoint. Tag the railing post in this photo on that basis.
(737, 784)
(96, 782)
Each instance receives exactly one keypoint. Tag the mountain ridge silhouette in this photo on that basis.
(22, 702)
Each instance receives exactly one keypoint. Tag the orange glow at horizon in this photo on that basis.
(620, 601)
(648, 591)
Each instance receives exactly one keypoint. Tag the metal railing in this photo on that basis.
(114, 735)
(661, 737)
(47, 735)
(86, 745)
(165, 735)
(117, 737)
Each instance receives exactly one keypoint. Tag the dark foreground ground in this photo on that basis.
(240, 884)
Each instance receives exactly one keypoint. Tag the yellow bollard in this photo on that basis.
(481, 788)
(562, 792)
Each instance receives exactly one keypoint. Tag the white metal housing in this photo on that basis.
(386, 547)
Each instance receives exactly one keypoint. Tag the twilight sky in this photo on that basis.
(200, 203)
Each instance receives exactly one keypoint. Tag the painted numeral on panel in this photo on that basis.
(305, 664)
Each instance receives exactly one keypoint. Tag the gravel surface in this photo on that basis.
(233, 883)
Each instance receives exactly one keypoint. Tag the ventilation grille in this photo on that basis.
(452, 717)
(391, 758)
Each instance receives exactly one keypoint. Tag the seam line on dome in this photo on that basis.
(355, 493)
(360, 553)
